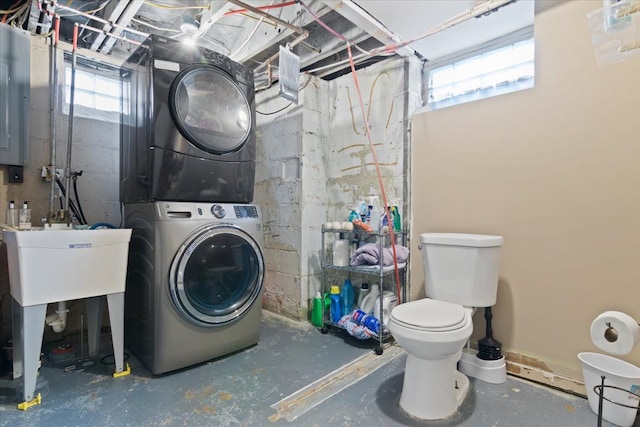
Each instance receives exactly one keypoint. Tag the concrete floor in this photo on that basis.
(242, 388)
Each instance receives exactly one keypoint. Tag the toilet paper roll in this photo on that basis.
(615, 332)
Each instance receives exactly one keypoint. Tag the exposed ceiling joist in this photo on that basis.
(257, 51)
(362, 19)
(124, 20)
(113, 10)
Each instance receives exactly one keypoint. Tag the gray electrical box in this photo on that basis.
(14, 95)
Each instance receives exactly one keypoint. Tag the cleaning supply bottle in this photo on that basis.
(347, 296)
(364, 291)
(370, 300)
(374, 215)
(341, 252)
(24, 221)
(353, 215)
(386, 216)
(12, 215)
(316, 311)
(336, 309)
(389, 301)
(397, 222)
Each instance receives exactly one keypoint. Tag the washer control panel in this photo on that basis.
(246, 211)
(197, 211)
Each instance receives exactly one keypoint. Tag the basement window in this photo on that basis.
(97, 92)
(498, 68)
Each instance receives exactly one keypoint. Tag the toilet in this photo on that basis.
(461, 274)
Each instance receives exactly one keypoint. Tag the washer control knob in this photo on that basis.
(218, 211)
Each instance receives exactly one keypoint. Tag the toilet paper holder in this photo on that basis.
(611, 334)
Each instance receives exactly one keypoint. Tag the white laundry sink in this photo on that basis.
(59, 265)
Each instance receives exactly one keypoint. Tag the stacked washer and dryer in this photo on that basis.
(187, 168)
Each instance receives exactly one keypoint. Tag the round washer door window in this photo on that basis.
(216, 275)
(209, 109)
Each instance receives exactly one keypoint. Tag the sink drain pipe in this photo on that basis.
(58, 320)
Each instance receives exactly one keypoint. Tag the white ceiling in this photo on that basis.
(412, 18)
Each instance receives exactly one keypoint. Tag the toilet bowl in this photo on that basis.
(461, 273)
(433, 334)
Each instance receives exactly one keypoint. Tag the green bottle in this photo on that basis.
(397, 223)
(316, 311)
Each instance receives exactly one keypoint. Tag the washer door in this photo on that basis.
(209, 109)
(217, 275)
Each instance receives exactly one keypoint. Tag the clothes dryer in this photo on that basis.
(187, 125)
(194, 282)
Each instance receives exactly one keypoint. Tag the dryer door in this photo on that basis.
(217, 275)
(209, 109)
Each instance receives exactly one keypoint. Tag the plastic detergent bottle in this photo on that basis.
(389, 300)
(336, 309)
(316, 311)
(369, 301)
(364, 291)
(347, 296)
(12, 214)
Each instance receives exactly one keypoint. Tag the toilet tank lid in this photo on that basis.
(461, 239)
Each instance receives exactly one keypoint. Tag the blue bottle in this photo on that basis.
(336, 309)
(347, 297)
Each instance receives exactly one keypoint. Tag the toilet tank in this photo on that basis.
(461, 268)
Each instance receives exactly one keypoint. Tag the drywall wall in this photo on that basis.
(555, 170)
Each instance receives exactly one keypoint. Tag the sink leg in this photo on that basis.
(116, 318)
(30, 343)
(94, 323)
(18, 338)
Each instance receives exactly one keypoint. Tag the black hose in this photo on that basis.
(75, 194)
(72, 205)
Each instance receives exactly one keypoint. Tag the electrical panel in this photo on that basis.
(14, 95)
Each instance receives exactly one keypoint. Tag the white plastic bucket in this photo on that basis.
(617, 373)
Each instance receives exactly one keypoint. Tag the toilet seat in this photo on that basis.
(430, 315)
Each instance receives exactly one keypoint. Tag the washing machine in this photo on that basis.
(194, 282)
(187, 125)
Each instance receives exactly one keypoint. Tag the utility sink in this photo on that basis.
(59, 265)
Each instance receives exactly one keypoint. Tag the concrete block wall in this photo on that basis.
(290, 190)
(95, 150)
(325, 135)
